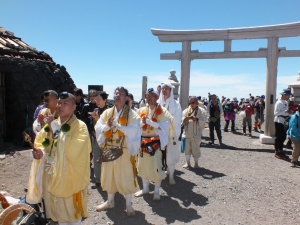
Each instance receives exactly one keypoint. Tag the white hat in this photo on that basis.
(234, 99)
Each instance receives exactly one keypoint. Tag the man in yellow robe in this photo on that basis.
(118, 127)
(61, 166)
(155, 123)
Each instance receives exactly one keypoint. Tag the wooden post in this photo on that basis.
(185, 74)
(144, 86)
(271, 80)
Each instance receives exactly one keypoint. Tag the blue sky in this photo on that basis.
(110, 42)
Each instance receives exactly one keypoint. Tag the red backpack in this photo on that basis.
(248, 110)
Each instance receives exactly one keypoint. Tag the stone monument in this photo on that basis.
(295, 88)
(172, 79)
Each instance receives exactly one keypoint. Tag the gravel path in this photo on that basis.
(239, 183)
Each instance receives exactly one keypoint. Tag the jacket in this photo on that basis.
(294, 127)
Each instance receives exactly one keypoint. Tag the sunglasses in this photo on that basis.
(46, 93)
(63, 95)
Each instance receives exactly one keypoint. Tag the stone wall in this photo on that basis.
(25, 80)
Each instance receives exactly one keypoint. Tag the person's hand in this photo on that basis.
(195, 118)
(110, 122)
(40, 118)
(95, 115)
(186, 119)
(289, 112)
(37, 153)
(144, 118)
(49, 119)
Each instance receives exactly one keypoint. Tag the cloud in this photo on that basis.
(229, 85)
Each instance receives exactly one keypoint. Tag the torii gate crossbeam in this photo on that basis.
(272, 33)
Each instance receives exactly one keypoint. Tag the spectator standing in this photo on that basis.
(214, 109)
(229, 114)
(259, 108)
(248, 108)
(80, 102)
(294, 133)
(281, 113)
(100, 99)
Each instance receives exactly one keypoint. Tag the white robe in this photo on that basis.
(173, 151)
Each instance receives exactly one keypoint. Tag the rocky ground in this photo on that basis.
(240, 182)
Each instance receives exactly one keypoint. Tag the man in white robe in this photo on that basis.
(166, 99)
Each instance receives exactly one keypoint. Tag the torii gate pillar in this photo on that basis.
(185, 74)
(271, 80)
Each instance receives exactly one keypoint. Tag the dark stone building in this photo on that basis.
(24, 74)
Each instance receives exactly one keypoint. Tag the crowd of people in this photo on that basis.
(127, 140)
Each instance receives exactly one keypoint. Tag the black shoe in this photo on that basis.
(255, 129)
(285, 156)
(279, 155)
(211, 143)
(225, 130)
(294, 164)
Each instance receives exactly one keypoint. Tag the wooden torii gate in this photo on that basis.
(271, 53)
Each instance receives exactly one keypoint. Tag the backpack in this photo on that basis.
(248, 110)
(228, 107)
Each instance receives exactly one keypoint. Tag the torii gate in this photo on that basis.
(271, 53)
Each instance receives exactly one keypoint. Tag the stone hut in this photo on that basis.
(25, 73)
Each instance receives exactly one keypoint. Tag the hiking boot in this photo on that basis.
(255, 129)
(279, 155)
(225, 130)
(250, 135)
(211, 143)
(244, 134)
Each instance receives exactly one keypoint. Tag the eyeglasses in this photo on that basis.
(63, 95)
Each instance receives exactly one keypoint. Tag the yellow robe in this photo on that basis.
(69, 174)
(118, 175)
(150, 167)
